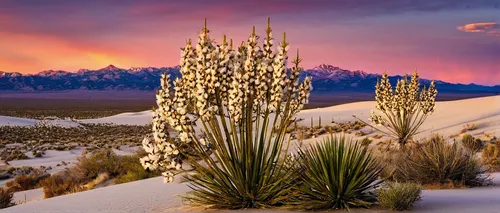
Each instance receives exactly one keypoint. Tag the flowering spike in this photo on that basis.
(224, 42)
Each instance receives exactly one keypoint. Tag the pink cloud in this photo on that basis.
(490, 28)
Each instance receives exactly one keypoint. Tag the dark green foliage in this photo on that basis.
(399, 196)
(438, 162)
(336, 174)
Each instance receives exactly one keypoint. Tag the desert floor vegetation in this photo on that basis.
(101, 168)
(436, 163)
(42, 108)
(17, 141)
(399, 196)
(5, 198)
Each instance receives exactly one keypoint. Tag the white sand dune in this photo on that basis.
(14, 121)
(129, 118)
(448, 119)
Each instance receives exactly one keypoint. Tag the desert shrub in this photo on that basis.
(336, 174)
(60, 184)
(98, 162)
(491, 156)
(126, 168)
(5, 198)
(401, 112)
(25, 182)
(436, 161)
(398, 196)
(247, 168)
(134, 171)
(93, 169)
(472, 144)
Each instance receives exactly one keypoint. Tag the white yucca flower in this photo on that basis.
(279, 75)
(242, 85)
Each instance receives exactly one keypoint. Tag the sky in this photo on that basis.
(452, 40)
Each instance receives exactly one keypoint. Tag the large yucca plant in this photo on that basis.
(403, 110)
(336, 174)
(242, 100)
(436, 161)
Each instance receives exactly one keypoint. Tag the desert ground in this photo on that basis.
(152, 195)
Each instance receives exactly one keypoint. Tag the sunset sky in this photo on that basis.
(450, 40)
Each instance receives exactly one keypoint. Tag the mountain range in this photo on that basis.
(326, 78)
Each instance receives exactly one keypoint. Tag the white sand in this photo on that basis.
(14, 121)
(129, 118)
(154, 196)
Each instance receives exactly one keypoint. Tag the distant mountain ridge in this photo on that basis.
(326, 78)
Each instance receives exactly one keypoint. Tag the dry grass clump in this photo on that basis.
(472, 144)
(439, 163)
(468, 127)
(399, 196)
(93, 169)
(26, 182)
(60, 184)
(5, 198)
(491, 156)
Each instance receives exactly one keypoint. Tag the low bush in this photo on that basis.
(60, 184)
(94, 169)
(134, 171)
(5, 198)
(437, 162)
(472, 144)
(399, 196)
(336, 174)
(25, 182)
(491, 156)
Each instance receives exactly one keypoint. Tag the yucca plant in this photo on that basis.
(336, 174)
(401, 112)
(242, 101)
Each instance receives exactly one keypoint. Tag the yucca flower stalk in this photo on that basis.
(403, 110)
(242, 102)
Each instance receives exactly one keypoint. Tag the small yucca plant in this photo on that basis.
(399, 196)
(243, 100)
(336, 174)
(402, 111)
